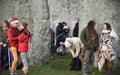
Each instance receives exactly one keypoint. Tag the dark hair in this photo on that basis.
(64, 23)
(24, 24)
(7, 23)
(77, 24)
(91, 24)
(60, 25)
(91, 29)
(108, 26)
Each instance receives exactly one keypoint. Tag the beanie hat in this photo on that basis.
(67, 44)
(15, 20)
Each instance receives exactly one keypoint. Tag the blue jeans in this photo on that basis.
(24, 59)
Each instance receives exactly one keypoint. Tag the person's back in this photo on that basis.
(13, 33)
(75, 45)
(76, 40)
(65, 31)
(59, 29)
(76, 30)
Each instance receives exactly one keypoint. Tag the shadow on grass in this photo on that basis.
(58, 66)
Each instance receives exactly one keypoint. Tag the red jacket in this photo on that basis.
(13, 33)
(23, 39)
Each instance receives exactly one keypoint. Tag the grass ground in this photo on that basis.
(58, 66)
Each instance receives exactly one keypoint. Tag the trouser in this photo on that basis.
(57, 43)
(24, 61)
(95, 59)
(4, 58)
(52, 50)
(15, 59)
(87, 66)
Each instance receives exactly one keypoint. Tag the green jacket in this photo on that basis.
(86, 41)
(3, 36)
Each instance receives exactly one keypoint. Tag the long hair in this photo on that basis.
(108, 26)
(7, 23)
(91, 29)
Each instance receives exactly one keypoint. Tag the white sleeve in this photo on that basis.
(114, 34)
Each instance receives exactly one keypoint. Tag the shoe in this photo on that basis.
(84, 73)
(12, 73)
(51, 57)
(16, 73)
(24, 71)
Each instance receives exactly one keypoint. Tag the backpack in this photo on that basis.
(76, 64)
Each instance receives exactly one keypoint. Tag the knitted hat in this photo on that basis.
(15, 20)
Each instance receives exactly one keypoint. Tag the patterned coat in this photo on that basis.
(107, 47)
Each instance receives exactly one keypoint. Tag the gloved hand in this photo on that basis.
(1, 43)
(75, 56)
(4, 45)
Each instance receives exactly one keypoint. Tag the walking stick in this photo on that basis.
(0, 53)
(0, 56)
(9, 57)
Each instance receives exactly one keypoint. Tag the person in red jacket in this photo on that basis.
(23, 39)
(13, 33)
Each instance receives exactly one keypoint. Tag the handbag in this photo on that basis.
(76, 64)
(59, 49)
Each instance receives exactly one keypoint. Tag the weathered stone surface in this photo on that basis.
(41, 37)
(101, 11)
(36, 13)
(85, 10)
(64, 10)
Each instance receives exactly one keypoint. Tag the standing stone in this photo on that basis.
(101, 11)
(36, 13)
(41, 35)
(64, 10)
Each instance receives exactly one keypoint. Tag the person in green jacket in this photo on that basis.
(4, 45)
(89, 38)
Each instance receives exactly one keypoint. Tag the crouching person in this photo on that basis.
(23, 39)
(74, 45)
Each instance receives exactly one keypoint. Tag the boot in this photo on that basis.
(109, 71)
(106, 71)
(25, 71)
